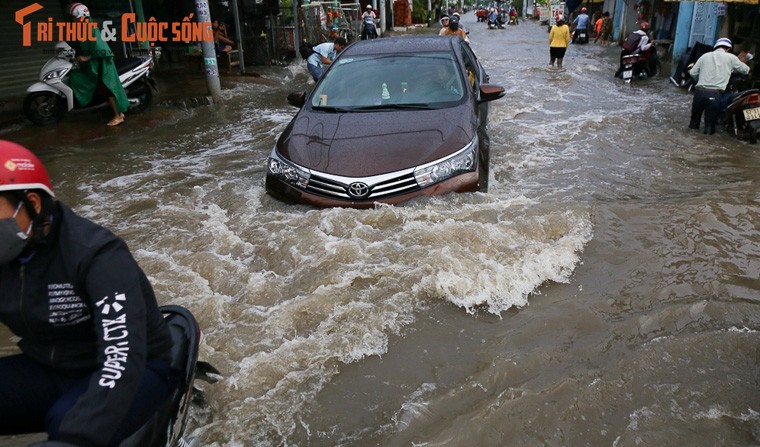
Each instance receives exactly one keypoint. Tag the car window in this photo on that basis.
(423, 79)
(471, 66)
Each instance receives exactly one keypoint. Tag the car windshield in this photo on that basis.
(375, 82)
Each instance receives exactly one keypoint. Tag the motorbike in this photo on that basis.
(51, 97)
(369, 31)
(167, 426)
(495, 21)
(742, 115)
(638, 65)
(580, 35)
(512, 20)
(681, 77)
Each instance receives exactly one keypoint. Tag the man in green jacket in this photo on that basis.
(97, 72)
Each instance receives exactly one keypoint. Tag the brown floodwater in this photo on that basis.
(604, 292)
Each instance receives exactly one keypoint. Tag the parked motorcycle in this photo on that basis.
(742, 115)
(681, 77)
(50, 98)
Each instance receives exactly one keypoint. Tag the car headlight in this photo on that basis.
(56, 74)
(287, 172)
(458, 163)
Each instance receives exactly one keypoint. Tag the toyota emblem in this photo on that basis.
(358, 190)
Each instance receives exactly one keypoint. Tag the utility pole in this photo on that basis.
(238, 34)
(296, 33)
(209, 54)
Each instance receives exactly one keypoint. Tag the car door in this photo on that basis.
(475, 76)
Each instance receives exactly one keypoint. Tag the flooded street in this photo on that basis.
(604, 292)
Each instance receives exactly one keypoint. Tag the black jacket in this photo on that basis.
(80, 304)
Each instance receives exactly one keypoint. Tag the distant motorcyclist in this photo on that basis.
(513, 15)
(368, 28)
(456, 17)
(580, 23)
(444, 21)
(453, 29)
(713, 71)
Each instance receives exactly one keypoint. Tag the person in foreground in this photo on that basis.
(713, 71)
(97, 74)
(95, 350)
(559, 39)
(324, 54)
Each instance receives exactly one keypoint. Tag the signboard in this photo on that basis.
(557, 9)
(543, 13)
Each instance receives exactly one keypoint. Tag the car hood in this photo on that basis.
(371, 143)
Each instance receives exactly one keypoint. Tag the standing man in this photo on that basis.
(713, 71)
(97, 74)
(324, 54)
(559, 39)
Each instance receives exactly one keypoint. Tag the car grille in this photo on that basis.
(353, 188)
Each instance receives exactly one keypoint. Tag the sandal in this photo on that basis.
(116, 121)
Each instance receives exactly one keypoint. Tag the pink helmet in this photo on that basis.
(584, 9)
(644, 26)
(21, 170)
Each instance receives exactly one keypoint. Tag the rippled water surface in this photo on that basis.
(604, 292)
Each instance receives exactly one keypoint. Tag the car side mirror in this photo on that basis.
(297, 99)
(490, 92)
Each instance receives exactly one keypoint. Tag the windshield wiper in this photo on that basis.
(331, 109)
(411, 106)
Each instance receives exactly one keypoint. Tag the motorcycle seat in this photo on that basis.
(125, 65)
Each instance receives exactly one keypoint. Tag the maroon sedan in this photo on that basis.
(391, 119)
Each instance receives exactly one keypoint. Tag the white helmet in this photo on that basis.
(78, 10)
(723, 42)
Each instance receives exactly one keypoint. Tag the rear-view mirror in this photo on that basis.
(297, 99)
(489, 92)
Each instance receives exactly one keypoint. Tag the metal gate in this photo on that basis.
(703, 23)
(21, 65)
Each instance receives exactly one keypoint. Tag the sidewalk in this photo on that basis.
(179, 90)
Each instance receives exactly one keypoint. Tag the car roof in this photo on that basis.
(401, 45)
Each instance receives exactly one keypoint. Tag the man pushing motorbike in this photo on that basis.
(95, 349)
(713, 71)
(640, 42)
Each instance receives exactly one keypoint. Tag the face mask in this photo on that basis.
(12, 238)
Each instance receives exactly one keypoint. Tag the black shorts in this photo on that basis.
(557, 52)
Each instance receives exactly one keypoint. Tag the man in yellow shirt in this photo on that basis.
(559, 39)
